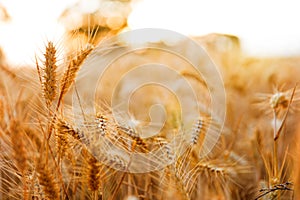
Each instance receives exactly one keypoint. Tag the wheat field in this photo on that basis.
(49, 153)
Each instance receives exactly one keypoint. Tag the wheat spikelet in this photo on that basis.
(101, 121)
(163, 143)
(61, 134)
(94, 174)
(116, 162)
(278, 101)
(47, 181)
(200, 126)
(64, 128)
(197, 129)
(70, 73)
(131, 135)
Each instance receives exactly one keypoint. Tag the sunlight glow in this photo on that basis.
(33, 23)
(264, 27)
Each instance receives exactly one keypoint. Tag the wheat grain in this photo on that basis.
(116, 162)
(200, 127)
(131, 135)
(163, 143)
(64, 128)
(197, 129)
(101, 121)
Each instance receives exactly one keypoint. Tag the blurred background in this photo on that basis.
(265, 28)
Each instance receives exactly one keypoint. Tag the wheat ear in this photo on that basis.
(70, 73)
(47, 181)
(62, 142)
(48, 75)
(65, 128)
(19, 151)
(94, 172)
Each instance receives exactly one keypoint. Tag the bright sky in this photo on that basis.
(265, 27)
(33, 23)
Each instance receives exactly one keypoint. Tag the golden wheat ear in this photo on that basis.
(71, 72)
(47, 74)
(61, 135)
(18, 144)
(92, 174)
(46, 178)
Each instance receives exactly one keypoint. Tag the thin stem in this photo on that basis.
(275, 156)
(275, 149)
(121, 181)
(95, 195)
